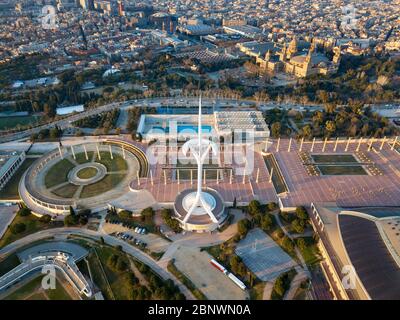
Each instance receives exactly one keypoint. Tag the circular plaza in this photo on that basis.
(83, 176)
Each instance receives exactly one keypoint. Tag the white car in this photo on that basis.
(137, 229)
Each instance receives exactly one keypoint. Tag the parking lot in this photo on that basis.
(151, 241)
(263, 256)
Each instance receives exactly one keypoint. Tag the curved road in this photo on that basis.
(136, 253)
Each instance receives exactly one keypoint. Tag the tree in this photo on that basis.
(272, 206)
(301, 243)
(147, 213)
(254, 207)
(125, 214)
(298, 225)
(307, 131)
(45, 218)
(24, 212)
(330, 127)
(276, 129)
(266, 222)
(287, 244)
(18, 228)
(243, 226)
(71, 220)
(301, 213)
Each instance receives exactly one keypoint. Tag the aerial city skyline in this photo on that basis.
(228, 150)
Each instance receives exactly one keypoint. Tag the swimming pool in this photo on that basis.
(187, 128)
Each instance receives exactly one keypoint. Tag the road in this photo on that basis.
(151, 102)
(110, 240)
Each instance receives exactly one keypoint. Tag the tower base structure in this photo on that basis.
(200, 221)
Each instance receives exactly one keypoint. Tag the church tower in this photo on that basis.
(337, 55)
(292, 48)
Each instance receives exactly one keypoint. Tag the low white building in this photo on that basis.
(71, 109)
(9, 164)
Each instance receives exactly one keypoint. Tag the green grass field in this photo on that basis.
(58, 173)
(116, 164)
(117, 280)
(87, 173)
(104, 185)
(81, 157)
(7, 123)
(33, 291)
(10, 191)
(66, 191)
(311, 253)
(8, 263)
(341, 170)
(32, 223)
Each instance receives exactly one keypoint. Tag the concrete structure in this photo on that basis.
(361, 254)
(59, 255)
(199, 210)
(300, 60)
(219, 124)
(9, 164)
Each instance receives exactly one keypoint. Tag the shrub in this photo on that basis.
(301, 243)
(301, 213)
(45, 218)
(24, 212)
(287, 244)
(243, 226)
(266, 222)
(125, 214)
(254, 207)
(71, 220)
(18, 228)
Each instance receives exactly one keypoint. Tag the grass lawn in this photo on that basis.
(290, 275)
(81, 157)
(33, 291)
(106, 184)
(116, 164)
(99, 277)
(32, 223)
(87, 173)
(118, 280)
(339, 170)
(10, 191)
(8, 263)
(311, 253)
(18, 122)
(58, 173)
(66, 191)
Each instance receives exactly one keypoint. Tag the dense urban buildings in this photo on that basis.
(220, 150)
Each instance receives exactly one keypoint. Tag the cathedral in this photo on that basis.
(300, 60)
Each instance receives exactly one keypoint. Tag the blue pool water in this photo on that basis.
(189, 128)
